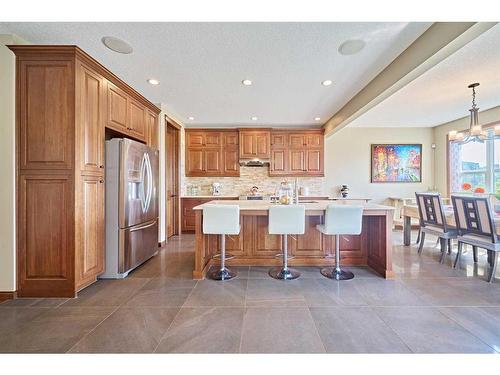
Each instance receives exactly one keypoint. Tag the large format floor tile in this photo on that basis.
(483, 322)
(54, 330)
(355, 330)
(107, 292)
(204, 330)
(208, 293)
(270, 292)
(279, 330)
(380, 292)
(427, 330)
(128, 330)
(162, 292)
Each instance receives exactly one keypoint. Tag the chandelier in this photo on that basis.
(476, 133)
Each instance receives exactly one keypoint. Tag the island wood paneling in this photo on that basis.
(311, 248)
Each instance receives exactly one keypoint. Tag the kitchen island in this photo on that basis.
(254, 246)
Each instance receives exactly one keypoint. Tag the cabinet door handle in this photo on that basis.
(101, 166)
(101, 181)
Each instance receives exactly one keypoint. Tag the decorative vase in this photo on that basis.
(344, 190)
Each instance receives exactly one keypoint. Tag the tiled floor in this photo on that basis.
(428, 308)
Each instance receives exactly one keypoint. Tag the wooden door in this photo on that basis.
(212, 139)
(152, 125)
(296, 161)
(314, 140)
(247, 145)
(46, 236)
(46, 126)
(195, 138)
(194, 162)
(90, 250)
(230, 162)
(91, 109)
(314, 161)
(172, 180)
(278, 162)
(297, 140)
(117, 108)
(137, 119)
(212, 161)
(279, 140)
(262, 144)
(309, 243)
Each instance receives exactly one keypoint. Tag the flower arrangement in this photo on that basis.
(467, 188)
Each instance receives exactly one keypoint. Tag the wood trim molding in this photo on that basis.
(4, 296)
(162, 243)
(71, 50)
(173, 122)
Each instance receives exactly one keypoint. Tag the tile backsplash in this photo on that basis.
(252, 176)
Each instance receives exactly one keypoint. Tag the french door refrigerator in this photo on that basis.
(131, 206)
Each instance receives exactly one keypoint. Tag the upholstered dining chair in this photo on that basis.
(476, 227)
(433, 222)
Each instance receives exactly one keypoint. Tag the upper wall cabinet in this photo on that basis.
(117, 108)
(297, 153)
(212, 153)
(255, 144)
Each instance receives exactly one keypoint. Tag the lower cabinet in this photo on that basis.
(90, 251)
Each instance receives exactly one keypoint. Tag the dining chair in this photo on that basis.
(476, 227)
(433, 221)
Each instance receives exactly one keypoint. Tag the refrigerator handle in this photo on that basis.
(141, 190)
(149, 170)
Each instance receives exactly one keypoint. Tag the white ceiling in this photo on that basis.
(201, 65)
(441, 94)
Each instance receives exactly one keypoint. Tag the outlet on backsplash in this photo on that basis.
(250, 176)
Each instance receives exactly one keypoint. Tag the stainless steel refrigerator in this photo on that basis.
(131, 206)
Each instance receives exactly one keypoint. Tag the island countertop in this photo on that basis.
(312, 205)
(254, 246)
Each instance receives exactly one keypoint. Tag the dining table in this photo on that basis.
(411, 212)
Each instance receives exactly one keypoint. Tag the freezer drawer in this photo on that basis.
(137, 244)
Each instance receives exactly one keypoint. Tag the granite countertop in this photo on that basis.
(315, 206)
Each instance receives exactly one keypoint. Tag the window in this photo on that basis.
(475, 163)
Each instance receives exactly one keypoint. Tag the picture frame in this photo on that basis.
(396, 163)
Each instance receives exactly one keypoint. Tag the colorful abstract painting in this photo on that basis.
(397, 163)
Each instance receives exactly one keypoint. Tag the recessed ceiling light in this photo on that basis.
(117, 45)
(254, 118)
(317, 118)
(350, 47)
(326, 83)
(153, 81)
(190, 118)
(247, 82)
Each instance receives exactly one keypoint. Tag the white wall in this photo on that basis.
(347, 161)
(440, 132)
(7, 166)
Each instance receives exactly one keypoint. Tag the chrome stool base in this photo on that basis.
(337, 274)
(281, 273)
(222, 274)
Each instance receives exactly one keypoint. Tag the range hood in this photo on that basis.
(254, 162)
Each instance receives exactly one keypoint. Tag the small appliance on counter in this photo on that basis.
(254, 195)
(216, 188)
(344, 191)
(285, 193)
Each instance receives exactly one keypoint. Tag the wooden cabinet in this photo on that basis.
(255, 144)
(89, 254)
(117, 108)
(297, 153)
(187, 213)
(152, 129)
(92, 110)
(65, 99)
(130, 116)
(212, 153)
(137, 119)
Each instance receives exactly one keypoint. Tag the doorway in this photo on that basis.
(172, 169)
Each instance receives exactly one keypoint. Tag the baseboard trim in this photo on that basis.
(162, 243)
(4, 296)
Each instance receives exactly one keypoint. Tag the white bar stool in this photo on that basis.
(285, 220)
(339, 220)
(221, 219)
